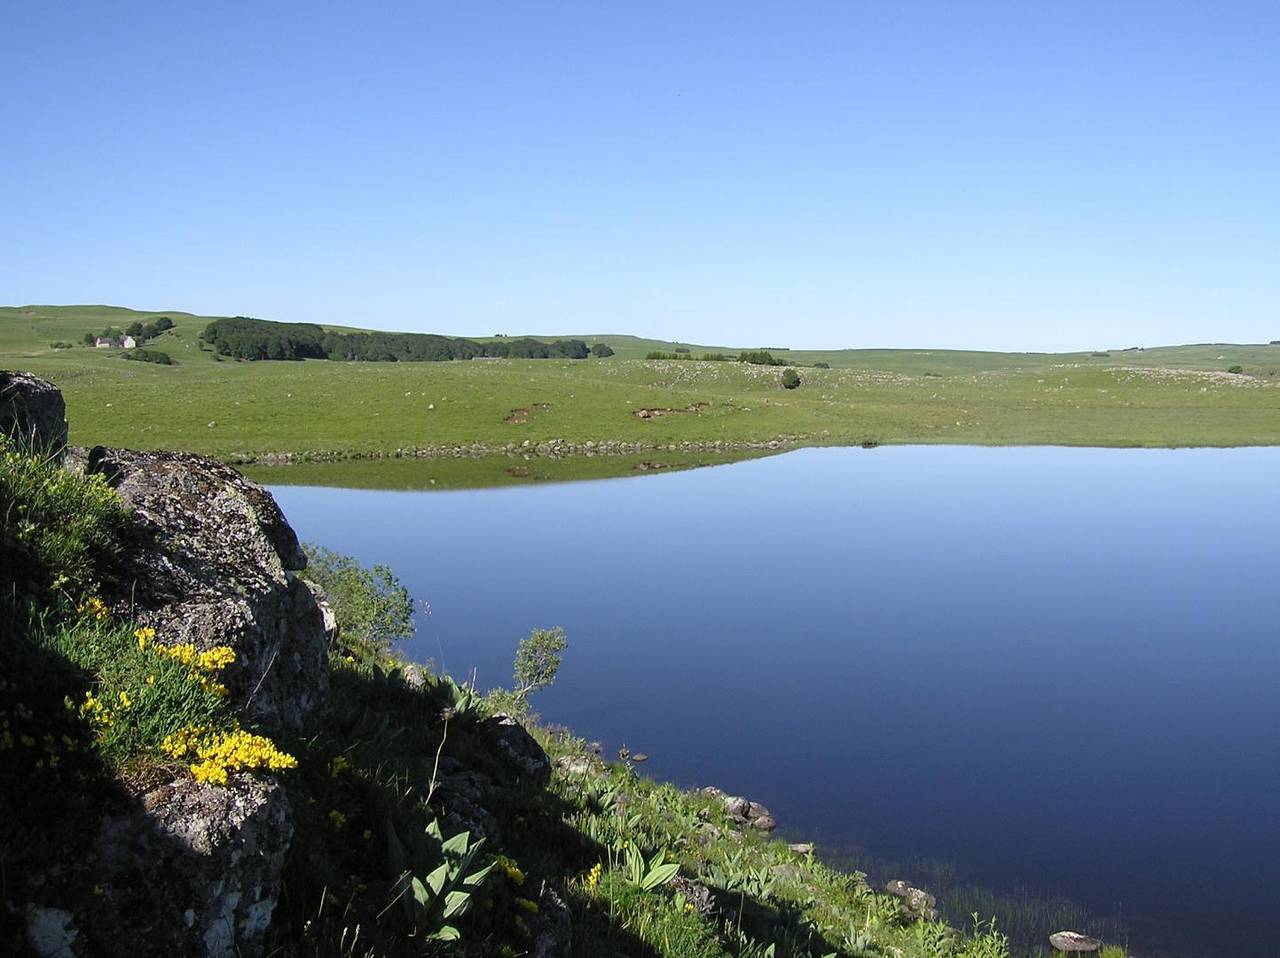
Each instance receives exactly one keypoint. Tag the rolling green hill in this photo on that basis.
(1164, 396)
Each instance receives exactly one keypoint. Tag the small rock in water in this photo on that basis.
(1072, 941)
(640, 757)
(913, 903)
(802, 848)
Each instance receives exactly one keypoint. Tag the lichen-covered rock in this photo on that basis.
(577, 764)
(191, 869)
(553, 936)
(32, 411)
(215, 567)
(743, 812)
(51, 932)
(913, 903)
(519, 748)
(463, 796)
(697, 895)
(328, 618)
(1074, 942)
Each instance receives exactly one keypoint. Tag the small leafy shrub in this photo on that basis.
(372, 607)
(759, 357)
(601, 351)
(538, 660)
(60, 344)
(148, 356)
(821, 365)
(1235, 369)
(790, 379)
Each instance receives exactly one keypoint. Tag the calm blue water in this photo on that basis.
(1050, 666)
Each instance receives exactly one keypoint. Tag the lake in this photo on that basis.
(1049, 667)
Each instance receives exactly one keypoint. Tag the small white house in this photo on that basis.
(101, 342)
(128, 342)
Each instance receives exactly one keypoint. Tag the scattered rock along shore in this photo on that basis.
(528, 450)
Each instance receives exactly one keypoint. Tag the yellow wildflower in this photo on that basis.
(593, 876)
(216, 659)
(221, 752)
(510, 869)
(93, 606)
(144, 635)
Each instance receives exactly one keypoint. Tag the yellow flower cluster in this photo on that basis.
(101, 713)
(526, 905)
(593, 876)
(218, 753)
(94, 608)
(510, 869)
(214, 660)
(203, 665)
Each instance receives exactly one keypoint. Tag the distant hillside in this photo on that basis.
(30, 331)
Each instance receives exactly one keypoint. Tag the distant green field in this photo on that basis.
(1167, 396)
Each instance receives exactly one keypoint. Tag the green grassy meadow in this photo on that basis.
(1167, 396)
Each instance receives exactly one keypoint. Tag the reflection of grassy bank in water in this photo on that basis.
(487, 471)
(1026, 915)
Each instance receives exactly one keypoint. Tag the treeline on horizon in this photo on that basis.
(243, 337)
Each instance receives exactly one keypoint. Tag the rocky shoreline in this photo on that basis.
(527, 450)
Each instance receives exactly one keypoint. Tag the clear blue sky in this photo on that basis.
(1019, 175)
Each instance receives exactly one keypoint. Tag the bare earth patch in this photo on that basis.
(522, 414)
(654, 412)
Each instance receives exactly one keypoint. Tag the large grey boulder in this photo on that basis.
(215, 567)
(182, 869)
(32, 411)
(519, 748)
(199, 865)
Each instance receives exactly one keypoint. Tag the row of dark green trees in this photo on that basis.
(243, 337)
